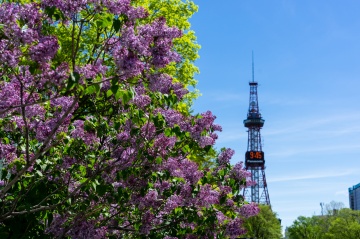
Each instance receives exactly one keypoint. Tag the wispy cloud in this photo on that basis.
(291, 151)
(313, 175)
(342, 192)
(338, 122)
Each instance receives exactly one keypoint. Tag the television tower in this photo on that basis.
(254, 156)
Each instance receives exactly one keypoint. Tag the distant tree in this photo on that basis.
(305, 228)
(333, 207)
(345, 223)
(264, 225)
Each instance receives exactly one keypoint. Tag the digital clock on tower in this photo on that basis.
(254, 155)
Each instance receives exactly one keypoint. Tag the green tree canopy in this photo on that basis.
(342, 223)
(265, 225)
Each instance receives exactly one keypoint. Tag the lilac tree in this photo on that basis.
(93, 144)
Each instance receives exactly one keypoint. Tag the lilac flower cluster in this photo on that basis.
(225, 156)
(8, 56)
(183, 168)
(172, 117)
(45, 49)
(126, 161)
(238, 173)
(204, 123)
(7, 152)
(82, 229)
(160, 83)
(163, 83)
(80, 133)
(90, 71)
(249, 210)
(234, 229)
(207, 196)
(60, 106)
(117, 7)
(29, 13)
(152, 40)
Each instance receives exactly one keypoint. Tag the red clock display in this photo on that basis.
(256, 155)
(254, 158)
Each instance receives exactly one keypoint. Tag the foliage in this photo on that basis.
(265, 225)
(95, 142)
(177, 13)
(345, 223)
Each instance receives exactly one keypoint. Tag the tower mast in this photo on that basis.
(254, 156)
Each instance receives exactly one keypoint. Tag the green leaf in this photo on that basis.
(126, 97)
(50, 11)
(137, 226)
(178, 210)
(109, 93)
(186, 149)
(93, 184)
(104, 22)
(158, 160)
(90, 90)
(82, 170)
(116, 24)
(6, 140)
(102, 189)
(73, 80)
(114, 88)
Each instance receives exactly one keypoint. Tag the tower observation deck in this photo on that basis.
(254, 156)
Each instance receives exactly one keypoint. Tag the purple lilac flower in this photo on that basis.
(205, 141)
(225, 156)
(9, 55)
(216, 127)
(123, 136)
(173, 202)
(86, 229)
(221, 217)
(207, 196)
(45, 49)
(141, 101)
(56, 226)
(150, 198)
(116, 6)
(7, 152)
(128, 63)
(80, 133)
(68, 162)
(148, 131)
(57, 76)
(163, 143)
(239, 173)
(249, 210)
(160, 83)
(161, 186)
(171, 116)
(90, 71)
(179, 90)
(9, 94)
(68, 7)
(234, 228)
(147, 220)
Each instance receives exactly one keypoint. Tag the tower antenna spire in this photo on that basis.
(254, 156)
(253, 74)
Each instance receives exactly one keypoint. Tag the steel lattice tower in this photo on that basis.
(254, 156)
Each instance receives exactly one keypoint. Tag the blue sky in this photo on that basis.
(307, 64)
